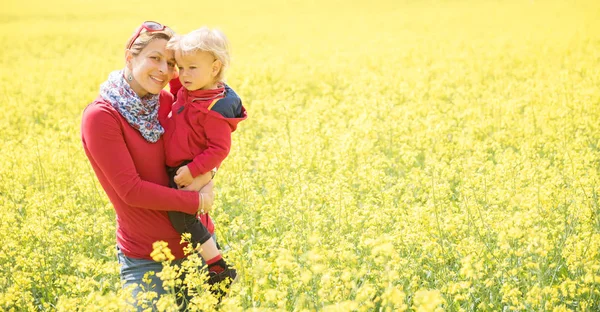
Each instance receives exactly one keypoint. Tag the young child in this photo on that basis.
(198, 132)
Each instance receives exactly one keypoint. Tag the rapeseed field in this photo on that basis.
(426, 155)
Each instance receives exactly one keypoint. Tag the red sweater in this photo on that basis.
(200, 127)
(132, 172)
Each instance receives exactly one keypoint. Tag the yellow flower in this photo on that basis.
(428, 301)
(161, 252)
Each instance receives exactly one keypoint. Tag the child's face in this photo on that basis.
(197, 70)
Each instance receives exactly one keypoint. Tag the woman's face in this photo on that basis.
(152, 68)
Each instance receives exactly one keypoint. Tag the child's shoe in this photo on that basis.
(220, 283)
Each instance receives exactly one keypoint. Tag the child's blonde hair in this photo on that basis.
(204, 39)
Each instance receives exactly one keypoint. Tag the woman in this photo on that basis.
(121, 133)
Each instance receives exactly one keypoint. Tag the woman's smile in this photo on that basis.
(157, 80)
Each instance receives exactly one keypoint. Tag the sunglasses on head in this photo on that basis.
(149, 26)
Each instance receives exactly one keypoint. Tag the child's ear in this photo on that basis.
(216, 67)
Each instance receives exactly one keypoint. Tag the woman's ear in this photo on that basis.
(128, 59)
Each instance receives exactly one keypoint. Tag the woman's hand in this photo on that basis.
(207, 197)
(203, 184)
(198, 183)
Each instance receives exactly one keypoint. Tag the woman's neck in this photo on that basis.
(135, 86)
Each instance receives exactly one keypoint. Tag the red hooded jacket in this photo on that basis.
(199, 127)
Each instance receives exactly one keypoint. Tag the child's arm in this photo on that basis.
(175, 85)
(221, 121)
(218, 138)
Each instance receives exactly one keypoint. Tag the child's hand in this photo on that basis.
(183, 177)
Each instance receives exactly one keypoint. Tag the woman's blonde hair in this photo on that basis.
(207, 40)
(144, 38)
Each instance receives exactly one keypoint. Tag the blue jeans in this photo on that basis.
(132, 275)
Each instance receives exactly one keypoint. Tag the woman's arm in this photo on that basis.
(104, 141)
(199, 182)
(208, 195)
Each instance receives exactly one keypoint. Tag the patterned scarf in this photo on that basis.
(141, 114)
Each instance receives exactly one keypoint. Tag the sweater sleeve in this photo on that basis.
(166, 102)
(174, 86)
(107, 148)
(218, 138)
